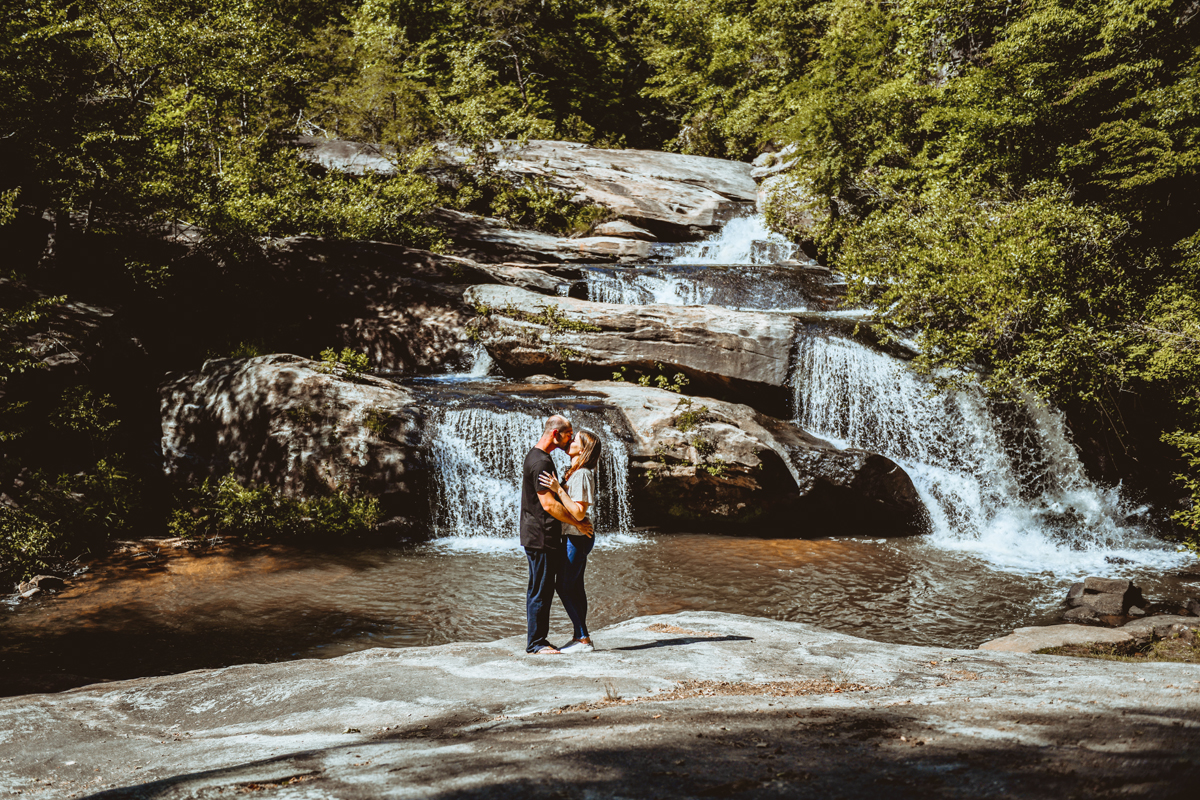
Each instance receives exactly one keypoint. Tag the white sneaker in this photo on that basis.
(577, 646)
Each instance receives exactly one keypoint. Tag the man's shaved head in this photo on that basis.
(557, 423)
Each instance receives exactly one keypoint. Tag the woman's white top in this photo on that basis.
(581, 486)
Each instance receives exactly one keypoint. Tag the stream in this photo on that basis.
(1013, 521)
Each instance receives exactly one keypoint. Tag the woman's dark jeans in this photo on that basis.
(570, 583)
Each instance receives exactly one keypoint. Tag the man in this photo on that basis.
(542, 517)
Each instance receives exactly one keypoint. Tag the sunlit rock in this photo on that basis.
(701, 463)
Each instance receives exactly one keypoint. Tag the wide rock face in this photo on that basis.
(403, 307)
(485, 239)
(706, 464)
(731, 354)
(281, 421)
(675, 197)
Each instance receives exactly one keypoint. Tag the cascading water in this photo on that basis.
(1024, 504)
(477, 456)
(745, 240)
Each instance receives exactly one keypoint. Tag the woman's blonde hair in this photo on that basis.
(589, 453)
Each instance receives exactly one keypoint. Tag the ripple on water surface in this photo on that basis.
(193, 610)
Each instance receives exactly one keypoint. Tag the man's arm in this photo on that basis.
(556, 509)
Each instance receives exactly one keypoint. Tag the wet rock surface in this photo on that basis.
(687, 705)
(703, 461)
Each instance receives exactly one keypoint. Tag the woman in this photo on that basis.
(578, 496)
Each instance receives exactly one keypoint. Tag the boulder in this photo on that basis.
(45, 583)
(1147, 629)
(1193, 607)
(1104, 597)
(1029, 640)
(699, 461)
(737, 355)
(282, 421)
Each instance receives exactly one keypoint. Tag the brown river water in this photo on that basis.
(135, 616)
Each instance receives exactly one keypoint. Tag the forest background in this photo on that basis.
(1016, 180)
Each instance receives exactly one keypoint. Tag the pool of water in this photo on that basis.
(135, 616)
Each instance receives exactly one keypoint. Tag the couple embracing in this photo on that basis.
(557, 562)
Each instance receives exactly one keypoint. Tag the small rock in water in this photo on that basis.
(47, 583)
(1193, 608)
(352, 730)
(1117, 560)
(1075, 595)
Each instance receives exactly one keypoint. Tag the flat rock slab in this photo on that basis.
(1027, 640)
(695, 704)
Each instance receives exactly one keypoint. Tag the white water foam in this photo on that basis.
(477, 458)
(744, 240)
(1026, 507)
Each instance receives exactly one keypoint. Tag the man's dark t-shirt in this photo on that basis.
(539, 530)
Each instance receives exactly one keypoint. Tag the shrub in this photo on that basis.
(226, 508)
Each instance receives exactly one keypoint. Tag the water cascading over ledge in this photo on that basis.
(1016, 495)
(476, 455)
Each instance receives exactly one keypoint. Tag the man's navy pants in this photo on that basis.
(544, 566)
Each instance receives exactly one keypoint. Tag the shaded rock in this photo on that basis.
(624, 230)
(1081, 614)
(486, 239)
(47, 583)
(1028, 640)
(1143, 630)
(1134, 611)
(75, 342)
(477, 720)
(1105, 604)
(402, 306)
(1106, 586)
(1178, 630)
(280, 421)
(1074, 595)
(701, 461)
(1193, 607)
(739, 355)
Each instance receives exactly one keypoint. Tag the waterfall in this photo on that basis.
(477, 455)
(1010, 490)
(745, 240)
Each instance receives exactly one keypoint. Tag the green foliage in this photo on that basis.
(1189, 445)
(723, 68)
(690, 417)
(378, 421)
(226, 508)
(16, 326)
(349, 364)
(660, 380)
(529, 203)
(28, 544)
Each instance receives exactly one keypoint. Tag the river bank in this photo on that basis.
(159, 611)
(710, 705)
